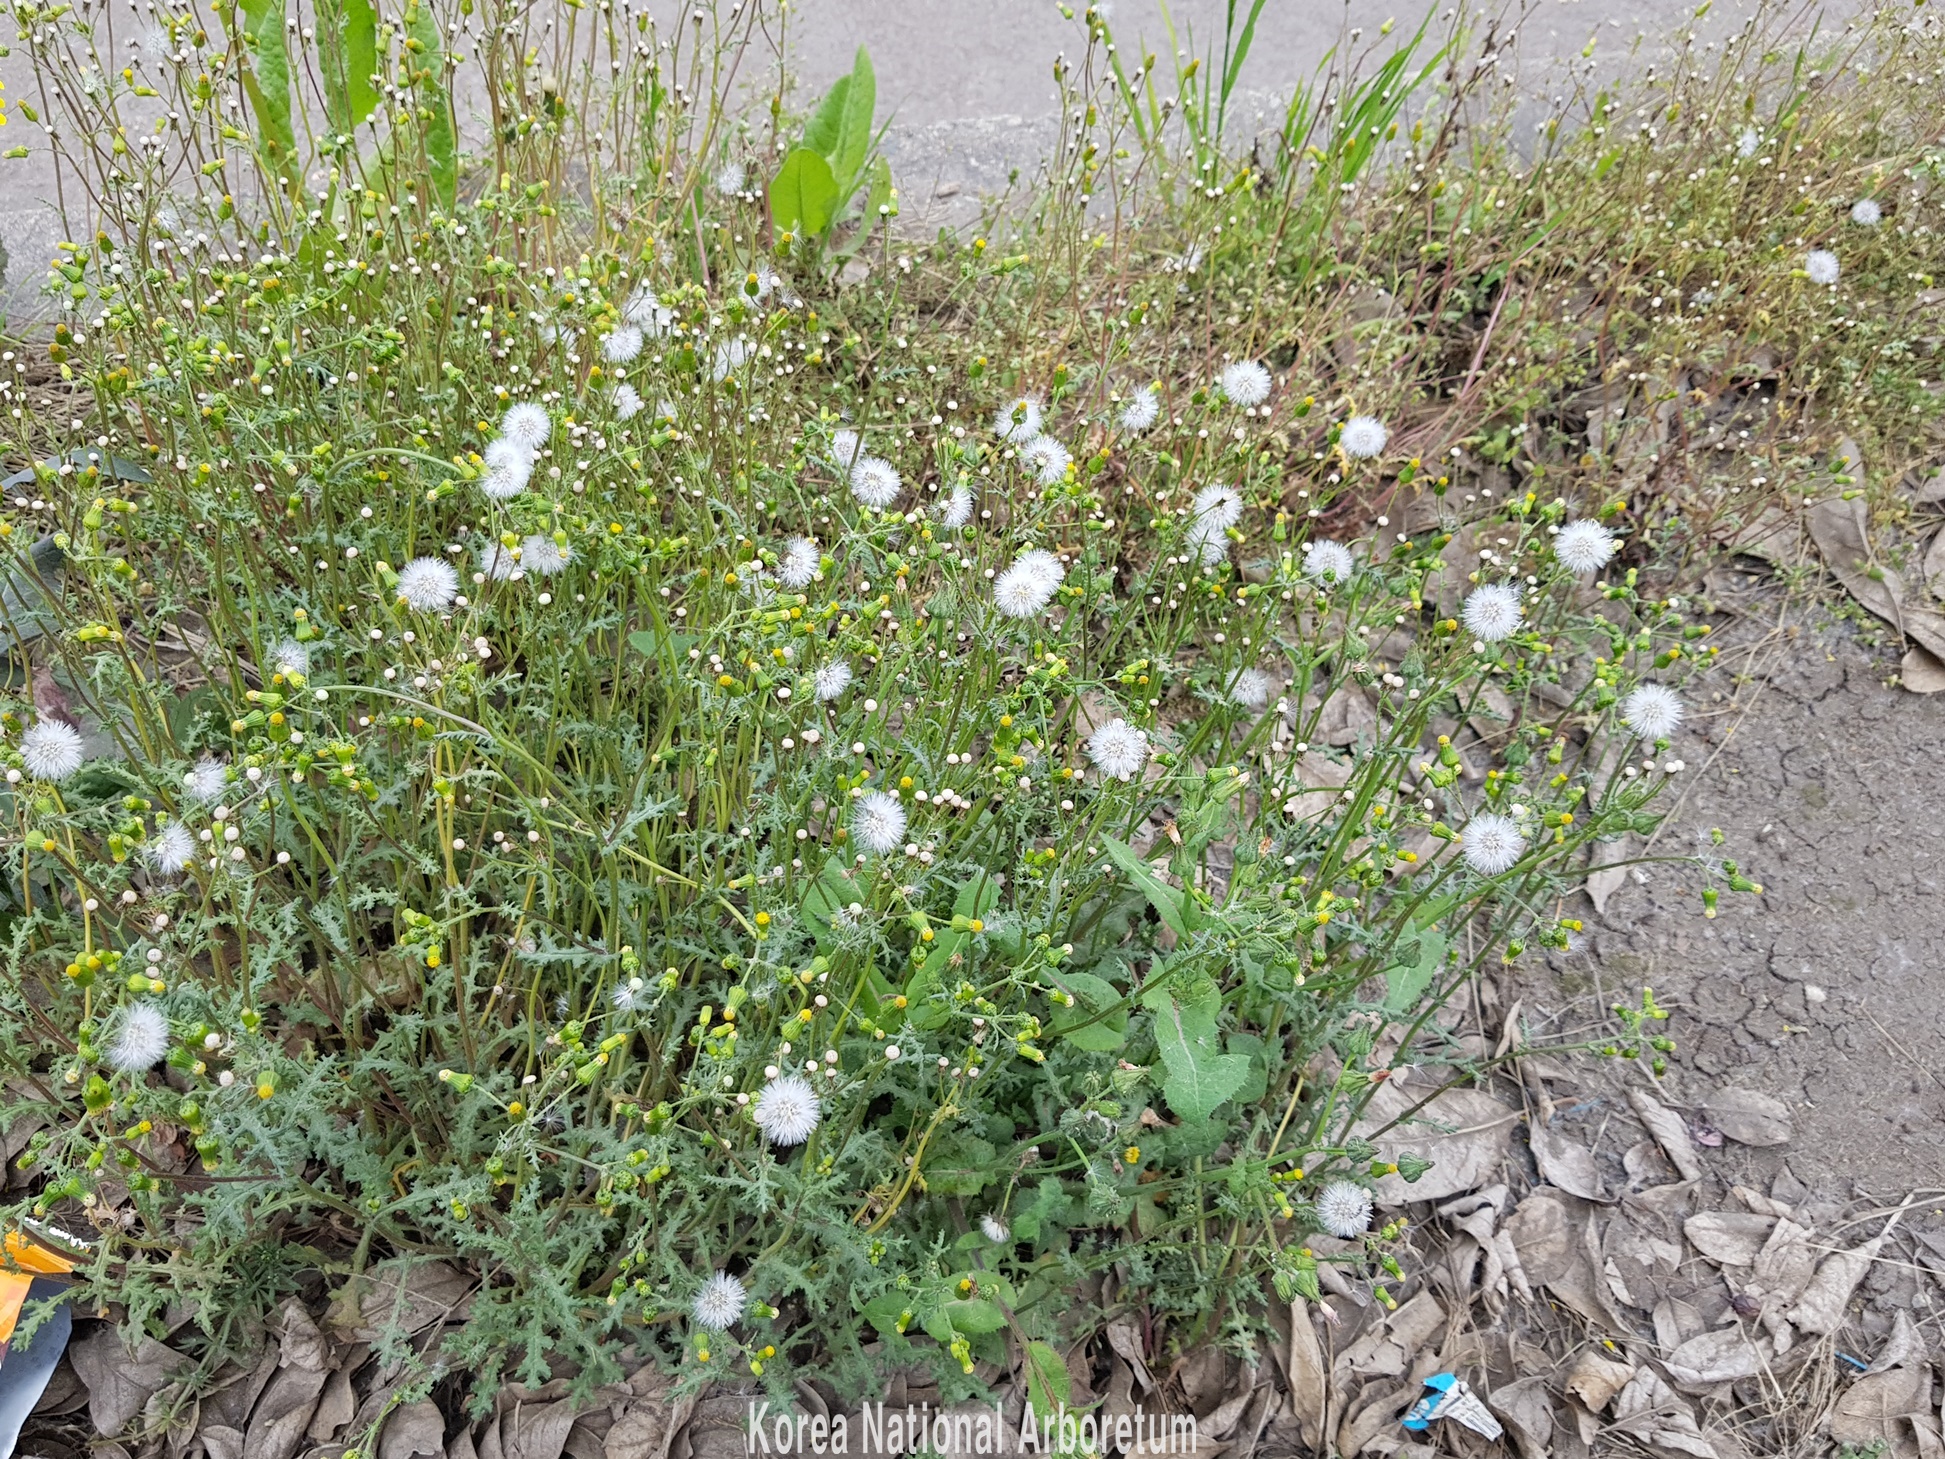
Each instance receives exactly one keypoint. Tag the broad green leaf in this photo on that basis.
(884, 1310)
(1406, 983)
(854, 127)
(347, 54)
(879, 175)
(441, 143)
(1197, 1075)
(968, 1315)
(654, 643)
(803, 193)
(827, 123)
(1092, 994)
(266, 81)
(959, 1165)
(1177, 908)
(1048, 1387)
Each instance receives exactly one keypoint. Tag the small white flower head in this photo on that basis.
(497, 561)
(646, 312)
(878, 823)
(875, 482)
(428, 584)
(141, 1037)
(291, 659)
(1492, 612)
(1652, 712)
(1749, 142)
(171, 849)
(51, 751)
(527, 424)
(1821, 265)
(1244, 382)
(541, 555)
(1118, 749)
(994, 1229)
(731, 178)
(798, 563)
(847, 448)
(1047, 459)
(831, 680)
(1583, 547)
(1252, 689)
(729, 356)
(1492, 843)
(1344, 1209)
(621, 344)
(719, 1303)
(1143, 409)
(207, 780)
(1026, 587)
(1018, 420)
(509, 465)
(958, 508)
(1328, 562)
(1217, 508)
(627, 997)
(627, 401)
(1363, 437)
(1866, 213)
(786, 1111)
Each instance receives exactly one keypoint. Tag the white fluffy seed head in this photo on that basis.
(1026, 587)
(1245, 382)
(847, 447)
(878, 822)
(1018, 420)
(1252, 689)
(994, 1229)
(1344, 1209)
(1492, 612)
(1583, 547)
(1363, 437)
(1143, 409)
(1748, 142)
(729, 357)
(875, 482)
(528, 424)
(1217, 507)
(1492, 843)
(627, 401)
(1328, 562)
(171, 849)
(1209, 544)
(958, 508)
(798, 563)
(621, 344)
(646, 312)
(1047, 459)
(51, 751)
(1822, 266)
(1118, 749)
(786, 1111)
(1652, 711)
(140, 1037)
(719, 1303)
(498, 562)
(291, 659)
(1866, 213)
(207, 780)
(428, 584)
(542, 556)
(509, 465)
(831, 679)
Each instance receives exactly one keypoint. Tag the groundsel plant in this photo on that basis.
(828, 858)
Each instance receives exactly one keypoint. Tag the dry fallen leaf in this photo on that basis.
(1821, 1307)
(1309, 1393)
(413, 1429)
(1462, 1132)
(1749, 1118)
(1717, 1357)
(1566, 1163)
(1649, 1410)
(1729, 1238)
(1921, 671)
(1868, 1410)
(1541, 1230)
(1595, 1379)
(1669, 1131)
(1527, 1412)
(1841, 531)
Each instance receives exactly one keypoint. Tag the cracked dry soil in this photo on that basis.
(1826, 991)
